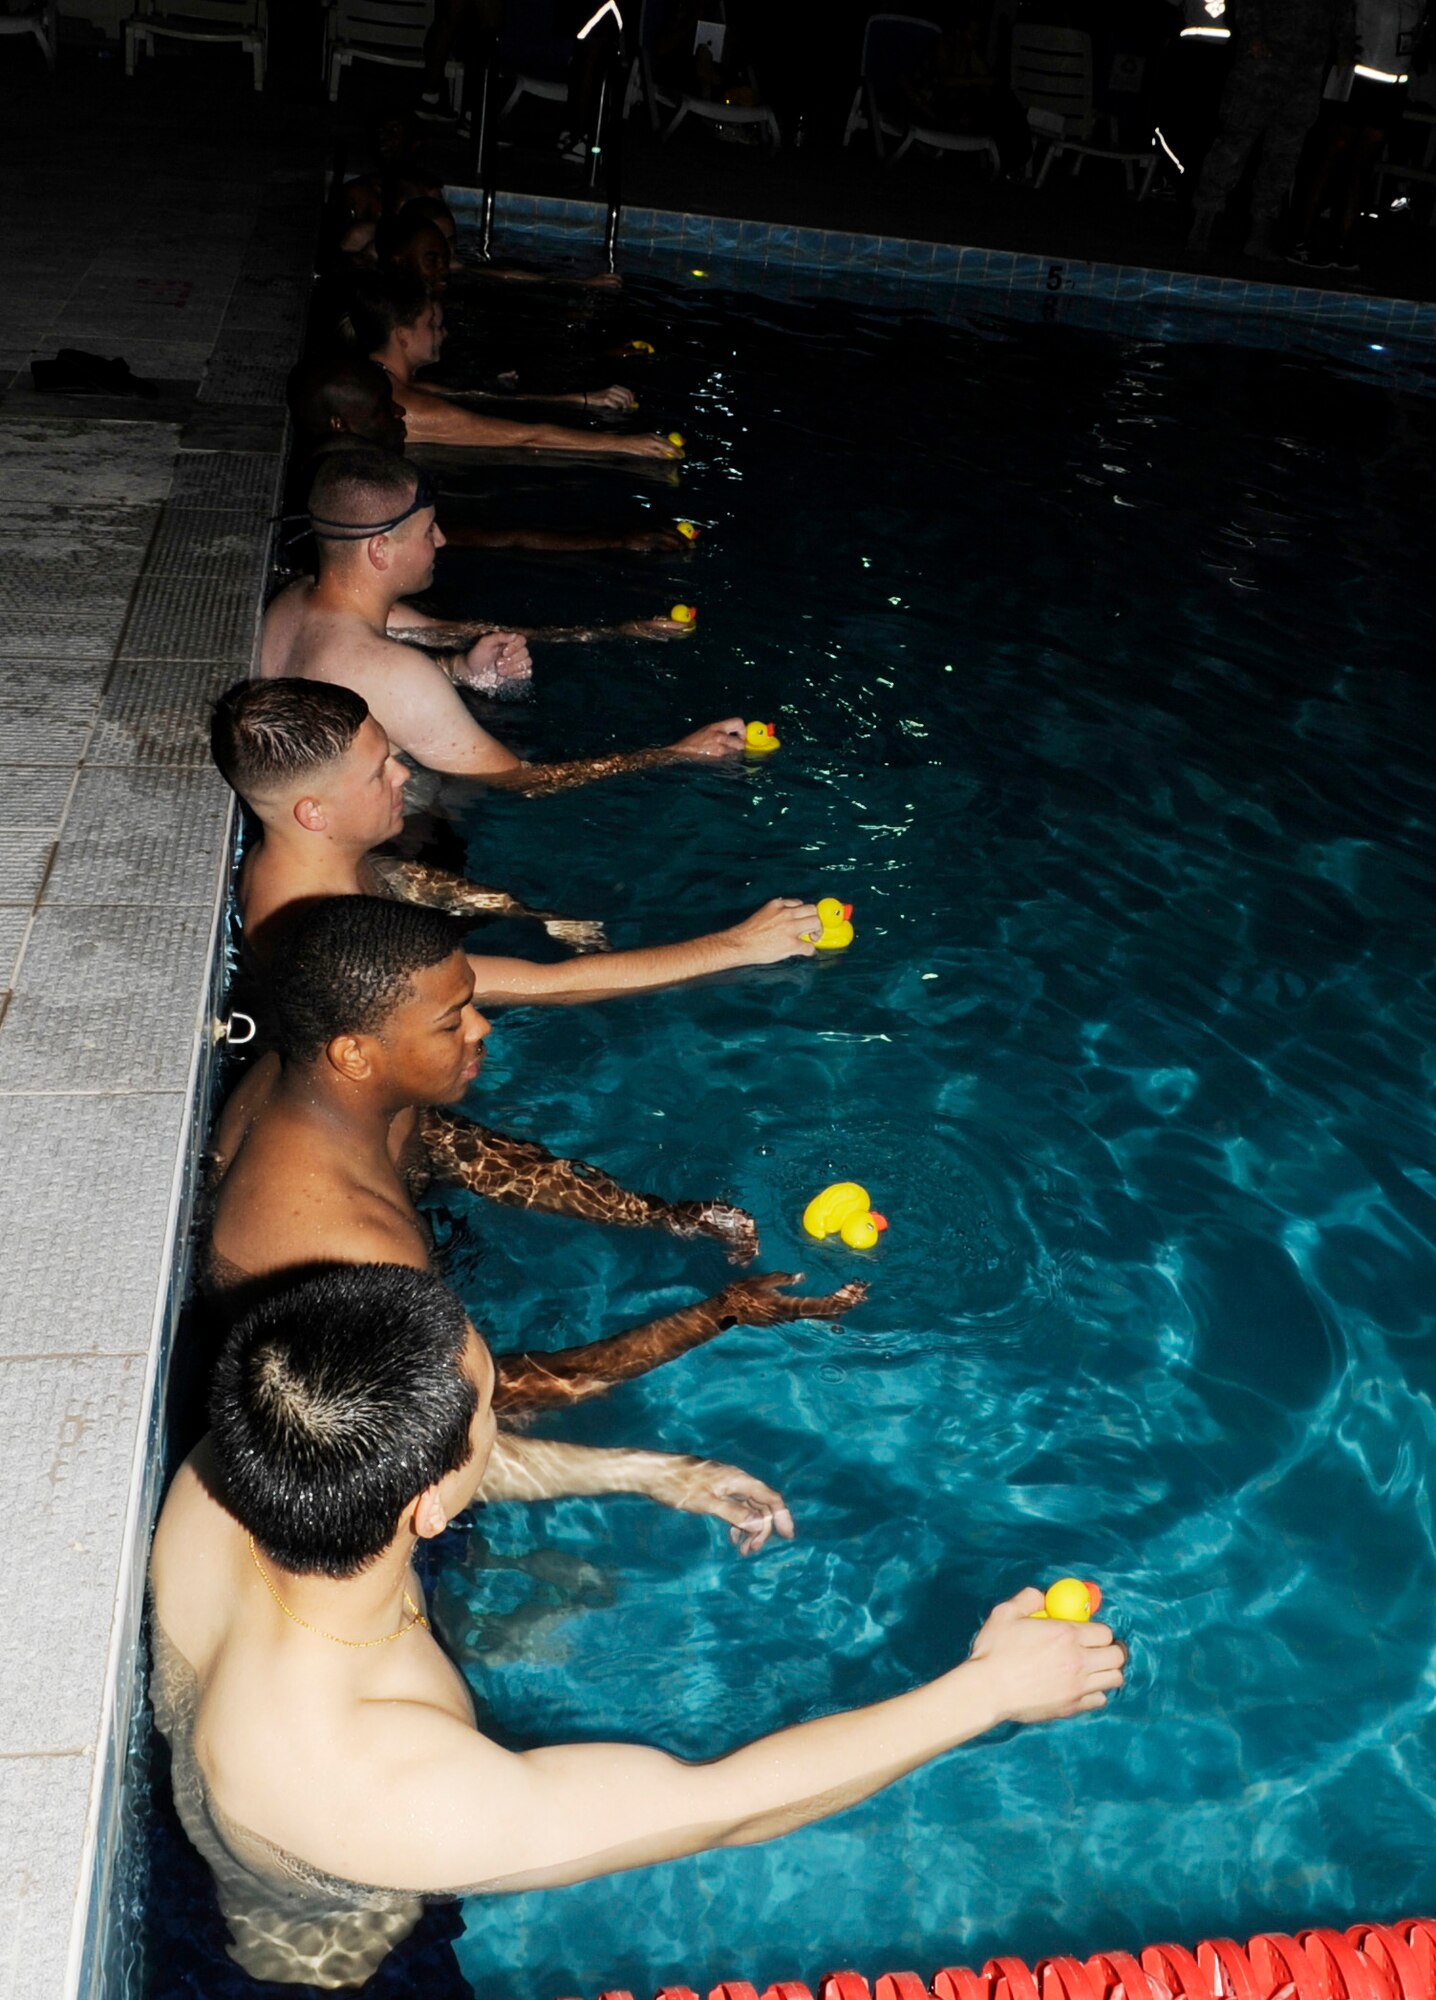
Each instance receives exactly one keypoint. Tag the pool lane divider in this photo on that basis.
(1367, 1961)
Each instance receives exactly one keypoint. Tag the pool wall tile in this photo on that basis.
(912, 264)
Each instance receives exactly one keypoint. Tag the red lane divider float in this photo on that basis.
(1395, 1961)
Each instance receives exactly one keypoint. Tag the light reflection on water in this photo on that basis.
(1132, 1050)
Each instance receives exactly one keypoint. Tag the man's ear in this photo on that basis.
(310, 815)
(349, 1055)
(377, 550)
(429, 1516)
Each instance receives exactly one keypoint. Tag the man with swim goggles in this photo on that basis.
(376, 538)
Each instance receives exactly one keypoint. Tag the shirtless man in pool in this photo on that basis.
(315, 769)
(315, 1155)
(398, 324)
(326, 1757)
(377, 539)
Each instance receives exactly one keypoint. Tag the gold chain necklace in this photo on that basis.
(416, 1616)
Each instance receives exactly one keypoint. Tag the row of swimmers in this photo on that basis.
(326, 1757)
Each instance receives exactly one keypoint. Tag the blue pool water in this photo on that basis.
(1102, 670)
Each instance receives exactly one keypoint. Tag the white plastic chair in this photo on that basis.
(391, 32)
(37, 21)
(243, 21)
(1052, 79)
(684, 105)
(893, 46)
(537, 60)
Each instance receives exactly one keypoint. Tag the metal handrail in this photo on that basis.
(605, 153)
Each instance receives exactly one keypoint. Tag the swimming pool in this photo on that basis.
(1100, 665)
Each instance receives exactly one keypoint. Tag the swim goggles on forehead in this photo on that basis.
(360, 531)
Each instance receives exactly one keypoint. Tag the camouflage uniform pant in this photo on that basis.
(1264, 104)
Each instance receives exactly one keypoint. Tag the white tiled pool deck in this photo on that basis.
(133, 539)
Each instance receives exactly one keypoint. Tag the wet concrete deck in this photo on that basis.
(133, 540)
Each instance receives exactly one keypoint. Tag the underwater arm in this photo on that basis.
(523, 1468)
(437, 889)
(523, 1175)
(716, 739)
(535, 1381)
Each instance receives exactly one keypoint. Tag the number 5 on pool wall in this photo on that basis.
(1056, 280)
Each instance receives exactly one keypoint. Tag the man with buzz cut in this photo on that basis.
(317, 1155)
(373, 521)
(316, 770)
(342, 398)
(326, 1759)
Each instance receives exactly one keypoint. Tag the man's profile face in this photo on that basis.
(424, 340)
(415, 543)
(427, 256)
(364, 798)
(434, 1040)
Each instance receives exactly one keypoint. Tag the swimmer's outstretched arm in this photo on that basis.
(437, 889)
(431, 418)
(571, 541)
(522, 1175)
(572, 1374)
(446, 642)
(523, 1468)
(782, 928)
(535, 781)
(417, 706)
(471, 1814)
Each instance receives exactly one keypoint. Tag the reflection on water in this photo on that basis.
(1100, 672)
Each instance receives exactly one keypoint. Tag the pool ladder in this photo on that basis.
(605, 153)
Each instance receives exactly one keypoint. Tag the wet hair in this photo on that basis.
(380, 302)
(343, 384)
(359, 486)
(432, 207)
(262, 733)
(347, 963)
(335, 1403)
(396, 232)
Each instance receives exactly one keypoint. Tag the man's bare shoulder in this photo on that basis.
(309, 640)
(289, 1199)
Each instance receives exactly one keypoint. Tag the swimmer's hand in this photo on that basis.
(777, 931)
(715, 739)
(656, 628)
(614, 397)
(578, 933)
(758, 1301)
(647, 445)
(657, 542)
(733, 1227)
(752, 1510)
(497, 662)
(602, 281)
(1043, 1668)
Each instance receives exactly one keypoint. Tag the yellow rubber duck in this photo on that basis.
(760, 739)
(844, 1210)
(1072, 1600)
(640, 346)
(837, 932)
(688, 530)
(684, 614)
(676, 437)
